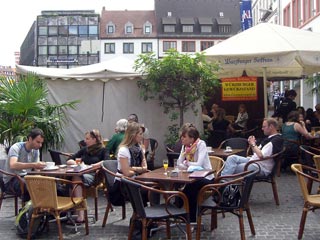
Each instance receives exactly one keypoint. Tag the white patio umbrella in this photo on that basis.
(268, 50)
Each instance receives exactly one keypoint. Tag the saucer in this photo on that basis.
(51, 168)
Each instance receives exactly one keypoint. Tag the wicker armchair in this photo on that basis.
(43, 193)
(306, 174)
(7, 193)
(271, 178)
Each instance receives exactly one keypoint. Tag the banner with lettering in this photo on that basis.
(246, 14)
(239, 89)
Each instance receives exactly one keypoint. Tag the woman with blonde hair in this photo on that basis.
(131, 158)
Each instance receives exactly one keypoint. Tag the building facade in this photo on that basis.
(192, 26)
(55, 40)
(127, 33)
(8, 73)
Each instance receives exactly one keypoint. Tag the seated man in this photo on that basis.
(269, 146)
(23, 156)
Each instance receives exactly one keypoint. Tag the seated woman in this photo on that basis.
(131, 158)
(242, 118)
(92, 154)
(117, 138)
(220, 128)
(292, 130)
(193, 154)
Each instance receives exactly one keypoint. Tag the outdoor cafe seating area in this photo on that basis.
(107, 220)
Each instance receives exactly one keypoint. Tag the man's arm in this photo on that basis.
(15, 165)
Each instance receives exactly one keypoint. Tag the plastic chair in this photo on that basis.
(306, 174)
(109, 168)
(43, 193)
(158, 212)
(7, 193)
(214, 202)
(237, 143)
(271, 178)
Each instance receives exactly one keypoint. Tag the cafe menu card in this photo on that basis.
(200, 174)
(79, 168)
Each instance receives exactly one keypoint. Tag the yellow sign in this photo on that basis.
(239, 89)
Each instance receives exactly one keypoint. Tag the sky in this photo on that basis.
(17, 16)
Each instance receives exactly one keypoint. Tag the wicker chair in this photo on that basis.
(217, 165)
(271, 178)
(7, 193)
(43, 193)
(311, 201)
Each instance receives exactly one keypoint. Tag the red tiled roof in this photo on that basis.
(120, 18)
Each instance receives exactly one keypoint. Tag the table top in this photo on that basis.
(158, 175)
(220, 152)
(63, 172)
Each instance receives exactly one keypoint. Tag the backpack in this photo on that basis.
(23, 219)
(230, 196)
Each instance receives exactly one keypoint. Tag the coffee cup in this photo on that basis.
(50, 164)
(209, 149)
(228, 148)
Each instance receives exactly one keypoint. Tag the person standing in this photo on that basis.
(287, 105)
(23, 157)
(268, 146)
(276, 100)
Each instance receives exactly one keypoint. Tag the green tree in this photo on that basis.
(178, 81)
(24, 105)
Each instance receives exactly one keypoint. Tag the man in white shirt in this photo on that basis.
(269, 146)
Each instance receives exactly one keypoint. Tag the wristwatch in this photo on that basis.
(253, 145)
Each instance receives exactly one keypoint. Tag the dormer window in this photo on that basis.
(110, 28)
(147, 28)
(187, 24)
(129, 28)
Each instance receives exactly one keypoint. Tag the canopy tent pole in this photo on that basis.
(265, 91)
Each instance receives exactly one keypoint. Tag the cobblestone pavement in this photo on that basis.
(271, 221)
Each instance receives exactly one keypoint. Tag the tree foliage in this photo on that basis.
(24, 105)
(178, 81)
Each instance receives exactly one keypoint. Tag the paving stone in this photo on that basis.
(270, 221)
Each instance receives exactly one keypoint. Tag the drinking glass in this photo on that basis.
(78, 161)
(165, 165)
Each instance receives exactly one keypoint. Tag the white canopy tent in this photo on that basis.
(268, 50)
(107, 92)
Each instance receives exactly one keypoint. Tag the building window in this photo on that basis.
(187, 28)
(43, 31)
(206, 44)
(224, 28)
(128, 48)
(73, 50)
(53, 50)
(147, 28)
(188, 46)
(110, 29)
(42, 50)
(206, 29)
(109, 48)
(53, 31)
(83, 30)
(169, 28)
(93, 30)
(146, 47)
(169, 45)
(73, 30)
(63, 49)
(128, 29)
(63, 30)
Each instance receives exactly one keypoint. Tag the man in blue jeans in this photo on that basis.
(272, 144)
